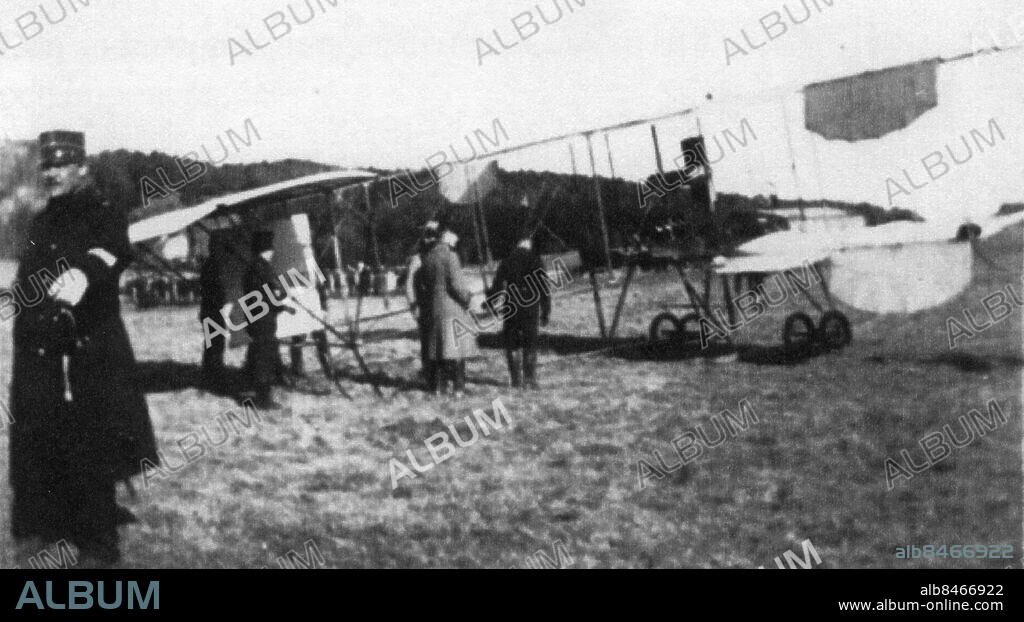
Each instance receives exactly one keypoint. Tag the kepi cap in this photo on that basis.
(61, 148)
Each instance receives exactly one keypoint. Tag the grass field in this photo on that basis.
(566, 470)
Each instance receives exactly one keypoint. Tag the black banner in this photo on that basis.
(173, 594)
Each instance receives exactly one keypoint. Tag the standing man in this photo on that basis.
(323, 347)
(263, 358)
(443, 285)
(418, 300)
(517, 274)
(81, 421)
(213, 304)
(363, 278)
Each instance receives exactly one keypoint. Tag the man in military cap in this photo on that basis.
(81, 421)
(263, 358)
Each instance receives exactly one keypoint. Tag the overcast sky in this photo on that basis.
(388, 83)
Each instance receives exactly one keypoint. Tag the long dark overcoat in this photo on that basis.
(212, 295)
(519, 277)
(444, 298)
(263, 358)
(104, 432)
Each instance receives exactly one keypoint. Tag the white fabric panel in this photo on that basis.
(810, 244)
(765, 263)
(292, 251)
(786, 243)
(301, 323)
(466, 182)
(901, 279)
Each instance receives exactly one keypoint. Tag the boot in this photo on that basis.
(441, 378)
(26, 549)
(98, 554)
(460, 378)
(530, 368)
(94, 531)
(430, 375)
(264, 399)
(323, 353)
(515, 370)
(212, 374)
(279, 376)
(125, 516)
(298, 362)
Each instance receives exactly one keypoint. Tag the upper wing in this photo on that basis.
(994, 224)
(168, 223)
(272, 199)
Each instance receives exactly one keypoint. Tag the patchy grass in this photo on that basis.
(812, 468)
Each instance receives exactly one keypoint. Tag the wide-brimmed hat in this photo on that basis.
(262, 241)
(450, 238)
(431, 230)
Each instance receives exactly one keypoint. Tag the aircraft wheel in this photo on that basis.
(665, 327)
(798, 332)
(689, 329)
(834, 330)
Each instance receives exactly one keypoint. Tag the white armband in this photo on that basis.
(104, 256)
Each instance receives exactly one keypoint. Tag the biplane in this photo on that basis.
(287, 209)
(899, 267)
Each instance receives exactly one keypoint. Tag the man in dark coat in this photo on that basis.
(365, 279)
(81, 421)
(518, 277)
(429, 237)
(212, 300)
(323, 346)
(263, 358)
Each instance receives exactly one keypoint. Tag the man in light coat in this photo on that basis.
(443, 297)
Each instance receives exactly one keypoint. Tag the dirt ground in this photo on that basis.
(811, 468)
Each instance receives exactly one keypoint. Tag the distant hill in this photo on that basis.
(119, 175)
(566, 203)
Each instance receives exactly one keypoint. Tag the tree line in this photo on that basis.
(561, 208)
